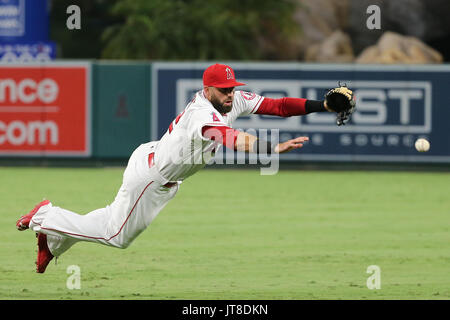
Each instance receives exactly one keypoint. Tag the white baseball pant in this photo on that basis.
(143, 194)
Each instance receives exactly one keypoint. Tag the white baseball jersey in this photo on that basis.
(144, 192)
(183, 150)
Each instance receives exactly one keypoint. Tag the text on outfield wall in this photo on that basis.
(19, 132)
(28, 90)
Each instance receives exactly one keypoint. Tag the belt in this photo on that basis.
(151, 163)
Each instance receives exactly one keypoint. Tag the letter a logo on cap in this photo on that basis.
(229, 74)
(220, 76)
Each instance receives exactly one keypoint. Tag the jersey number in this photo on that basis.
(175, 122)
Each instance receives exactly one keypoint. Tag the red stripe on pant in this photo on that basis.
(100, 238)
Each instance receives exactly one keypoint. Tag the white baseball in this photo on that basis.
(422, 145)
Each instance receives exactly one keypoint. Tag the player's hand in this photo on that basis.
(290, 145)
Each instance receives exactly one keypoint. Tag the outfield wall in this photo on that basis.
(103, 110)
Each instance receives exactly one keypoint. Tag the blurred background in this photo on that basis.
(293, 30)
(103, 76)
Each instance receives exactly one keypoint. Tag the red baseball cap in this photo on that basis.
(220, 76)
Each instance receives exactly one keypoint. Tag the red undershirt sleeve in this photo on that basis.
(283, 107)
(222, 134)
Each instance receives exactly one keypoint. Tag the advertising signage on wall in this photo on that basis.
(395, 106)
(12, 18)
(24, 31)
(45, 110)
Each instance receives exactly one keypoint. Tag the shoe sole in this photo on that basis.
(42, 246)
(20, 226)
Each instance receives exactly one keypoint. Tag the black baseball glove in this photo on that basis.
(341, 101)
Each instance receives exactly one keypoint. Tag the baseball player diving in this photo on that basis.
(156, 169)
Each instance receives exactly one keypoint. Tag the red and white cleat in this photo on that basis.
(24, 221)
(44, 256)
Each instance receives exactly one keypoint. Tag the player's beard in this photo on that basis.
(220, 106)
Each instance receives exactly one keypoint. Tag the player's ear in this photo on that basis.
(207, 92)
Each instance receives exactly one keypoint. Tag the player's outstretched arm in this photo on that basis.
(245, 142)
(250, 143)
(339, 100)
(287, 107)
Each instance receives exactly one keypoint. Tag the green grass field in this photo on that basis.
(234, 234)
